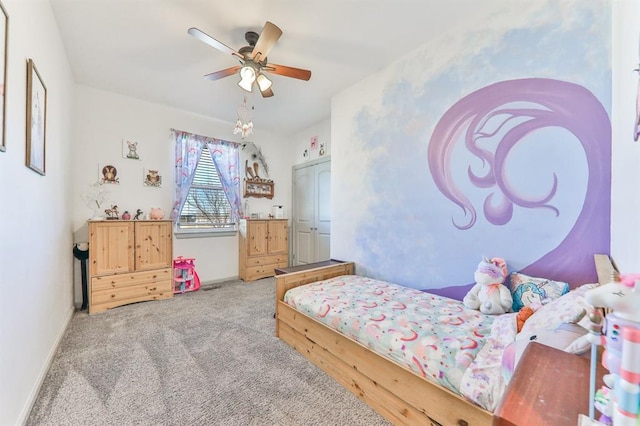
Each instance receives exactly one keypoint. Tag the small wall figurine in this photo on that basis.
(138, 215)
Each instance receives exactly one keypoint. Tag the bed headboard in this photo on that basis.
(606, 268)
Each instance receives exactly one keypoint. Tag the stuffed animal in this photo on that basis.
(523, 315)
(489, 295)
(568, 337)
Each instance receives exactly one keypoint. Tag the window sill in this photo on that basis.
(203, 234)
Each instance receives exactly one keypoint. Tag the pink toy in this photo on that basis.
(622, 344)
(185, 277)
(156, 213)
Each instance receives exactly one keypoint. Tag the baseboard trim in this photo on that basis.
(24, 416)
(218, 281)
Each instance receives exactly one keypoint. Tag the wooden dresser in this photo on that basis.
(129, 261)
(264, 246)
(549, 387)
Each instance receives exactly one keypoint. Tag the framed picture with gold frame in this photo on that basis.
(4, 37)
(36, 119)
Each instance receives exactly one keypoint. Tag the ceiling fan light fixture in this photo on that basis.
(248, 73)
(263, 82)
(245, 84)
(248, 76)
(253, 59)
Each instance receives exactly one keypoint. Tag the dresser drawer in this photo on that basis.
(102, 300)
(108, 282)
(267, 260)
(262, 271)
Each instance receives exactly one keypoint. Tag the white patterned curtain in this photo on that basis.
(225, 155)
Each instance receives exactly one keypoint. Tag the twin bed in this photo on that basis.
(414, 357)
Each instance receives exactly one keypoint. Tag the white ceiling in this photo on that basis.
(141, 48)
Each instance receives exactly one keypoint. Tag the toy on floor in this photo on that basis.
(185, 277)
(622, 346)
(489, 295)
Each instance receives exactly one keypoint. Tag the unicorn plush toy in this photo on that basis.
(489, 295)
(622, 345)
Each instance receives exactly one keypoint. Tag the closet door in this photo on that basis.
(311, 212)
(322, 211)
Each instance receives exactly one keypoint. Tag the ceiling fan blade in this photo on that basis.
(206, 38)
(267, 93)
(223, 73)
(288, 71)
(268, 37)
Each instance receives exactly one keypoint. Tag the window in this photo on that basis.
(207, 186)
(207, 206)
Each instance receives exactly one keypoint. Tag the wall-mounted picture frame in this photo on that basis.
(108, 174)
(36, 119)
(130, 149)
(4, 37)
(152, 178)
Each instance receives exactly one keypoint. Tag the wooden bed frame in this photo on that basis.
(398, 394)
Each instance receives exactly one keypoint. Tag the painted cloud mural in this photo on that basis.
(435, 166)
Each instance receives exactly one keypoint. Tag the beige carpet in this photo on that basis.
(203, 358)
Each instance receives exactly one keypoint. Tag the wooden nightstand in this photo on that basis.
(549, 387)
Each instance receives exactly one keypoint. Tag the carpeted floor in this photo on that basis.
(203, 358)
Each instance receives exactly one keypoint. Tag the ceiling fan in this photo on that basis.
(253, 59)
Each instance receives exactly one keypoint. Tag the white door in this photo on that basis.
(311, 212)
(323, 211)
(303, 216)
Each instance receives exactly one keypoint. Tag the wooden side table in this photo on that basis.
(549, 387)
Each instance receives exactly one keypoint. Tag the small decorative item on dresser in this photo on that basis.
(112, 213)
(156, 213)
(126, 215)
(94, 198)
(138, 214)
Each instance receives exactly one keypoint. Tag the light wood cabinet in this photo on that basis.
(129, 261)
(264, 246)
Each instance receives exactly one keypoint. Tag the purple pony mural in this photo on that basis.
(524, 106)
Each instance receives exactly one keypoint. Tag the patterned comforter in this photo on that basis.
(435, 337)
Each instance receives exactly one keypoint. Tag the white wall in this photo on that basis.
(103, 119)
(625, 197)
(301, 141)
(35, 217)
